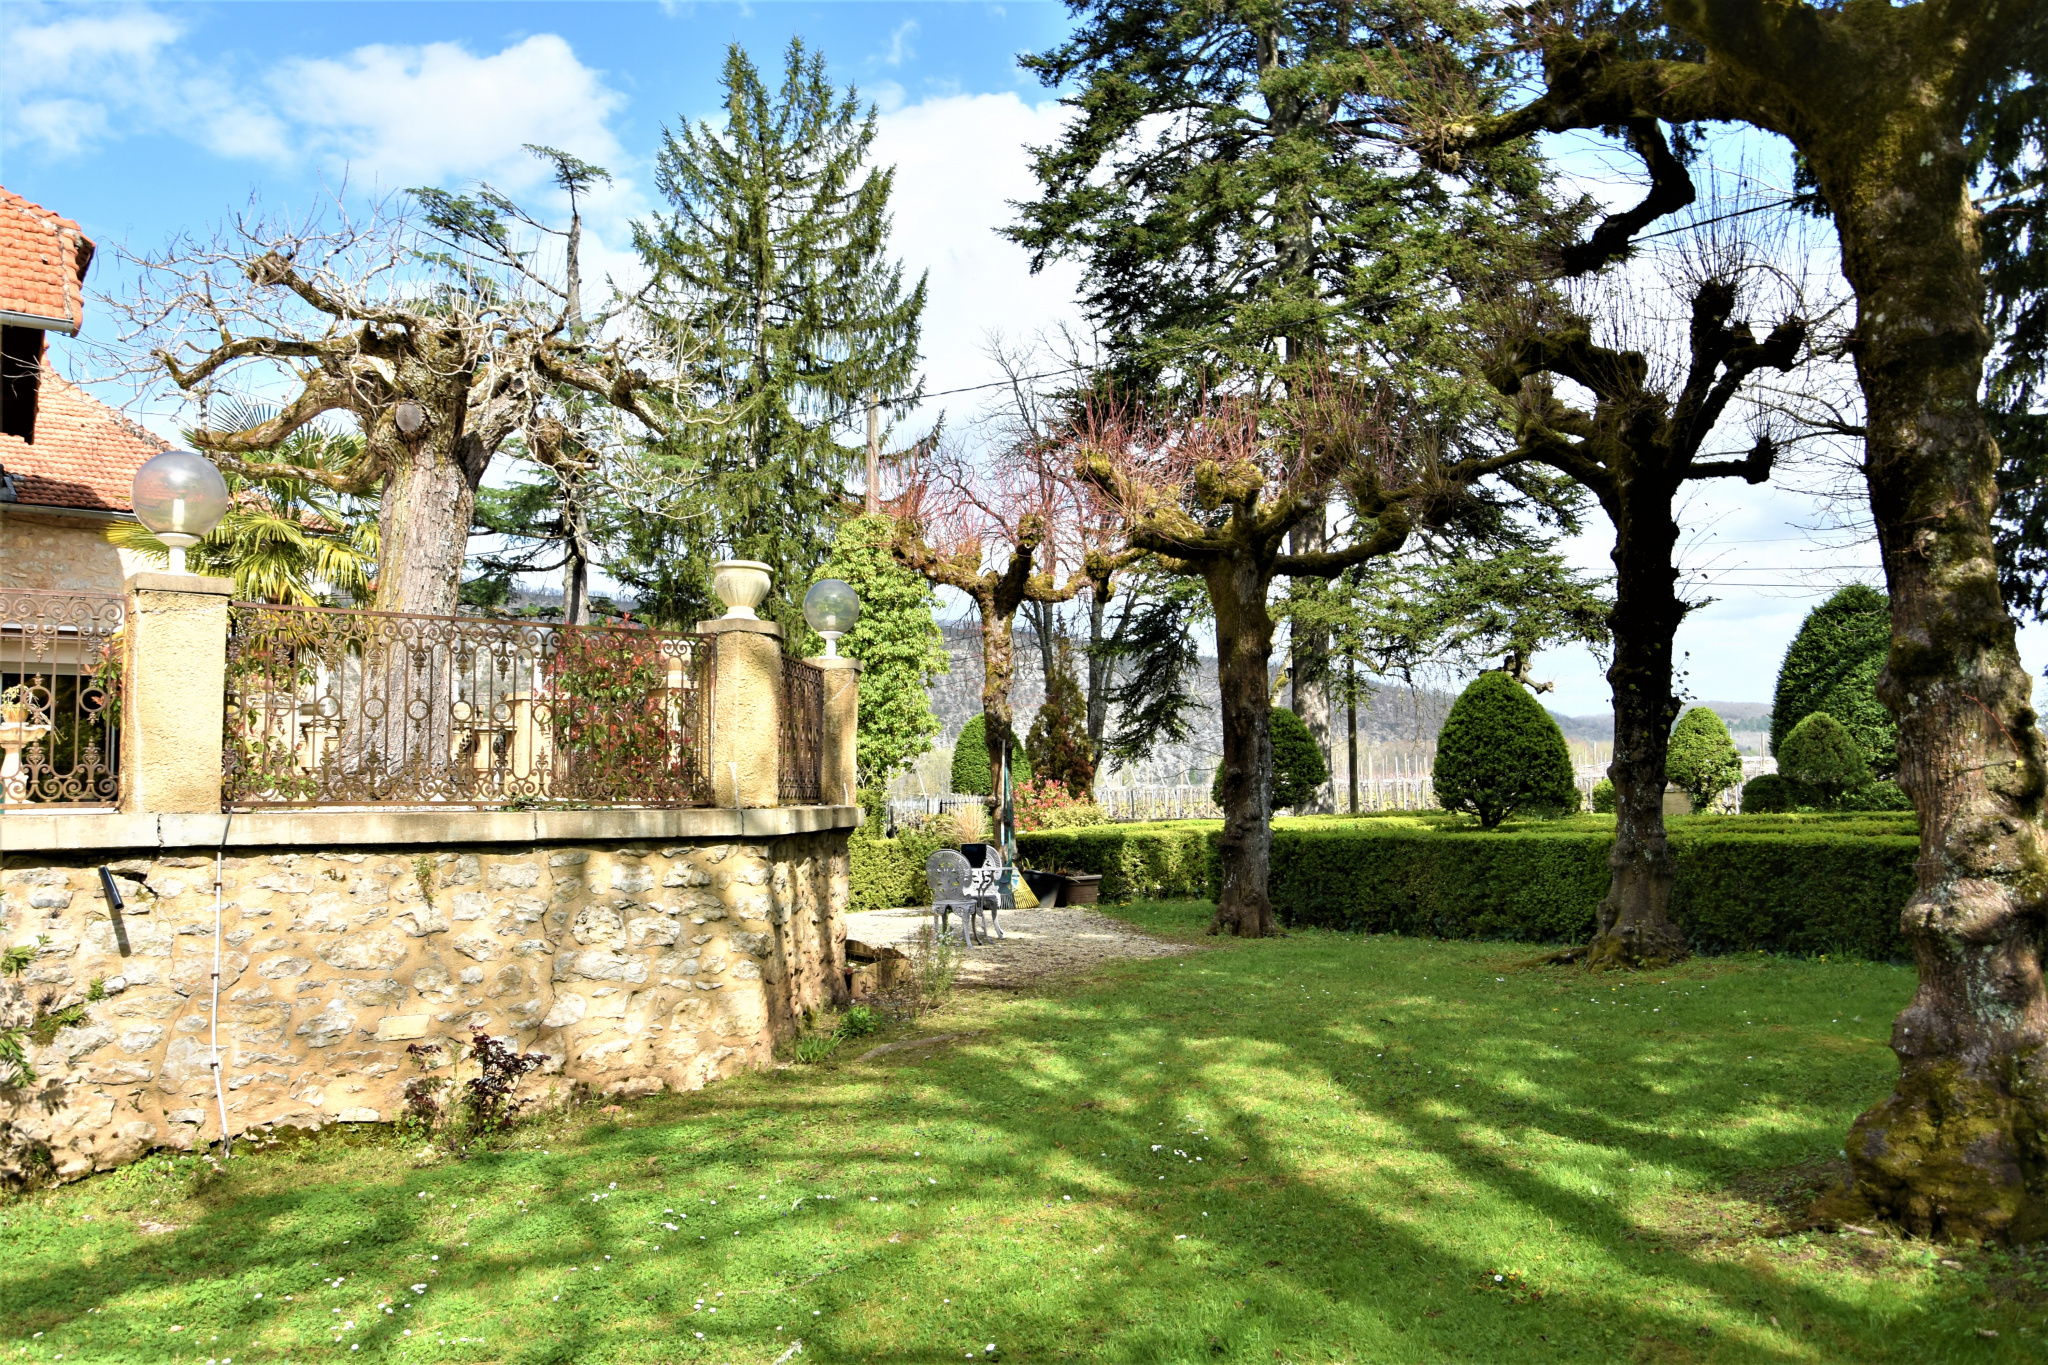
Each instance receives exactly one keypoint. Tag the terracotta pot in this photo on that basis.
(742, 584)
(1082, 889)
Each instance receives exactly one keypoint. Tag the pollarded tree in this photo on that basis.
(1703, 761)
(897, 642)
(1889, 106)
(440, 351)
(1650, 429)
(776, 250)
(1832, 665)
(1214, 494)
(1499, 753)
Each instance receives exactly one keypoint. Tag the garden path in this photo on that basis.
(1038, 943)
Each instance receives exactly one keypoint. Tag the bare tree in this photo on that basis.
(441, 345)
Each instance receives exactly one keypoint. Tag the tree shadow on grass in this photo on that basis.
(1348, 1217)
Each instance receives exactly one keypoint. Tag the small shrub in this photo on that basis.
(858, 1022)
(1045, 804)
(815, 1048)
(1603, 797)
(1499, 752)
(970, 760)
(1823, 757)
(1768, 794)
(934, 968)
(489, 1103)
(1298, 767)
(1702, 761)
(1878, 796)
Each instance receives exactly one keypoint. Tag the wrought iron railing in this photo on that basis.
(60, 699)
(802, 749)
(365, 708)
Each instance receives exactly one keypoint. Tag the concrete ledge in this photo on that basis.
(156, 580)
(87, 831)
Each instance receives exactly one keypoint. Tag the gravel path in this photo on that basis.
(1036, 943)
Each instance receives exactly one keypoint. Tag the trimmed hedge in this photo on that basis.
(1783, 883)
(888, 873)
(1166, 860)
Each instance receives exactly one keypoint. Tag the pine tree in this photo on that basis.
(898, 644)
(775, 255)
(1057, 744)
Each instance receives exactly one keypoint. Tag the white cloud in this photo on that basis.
(407, 115)
(959, 159)
(391, 115)
(900, 49)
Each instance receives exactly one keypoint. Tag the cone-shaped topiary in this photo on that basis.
(1831, 665)
(1703, 761)
(970, 761)
(1824, 758)
(1500, 752)
(1298, 767)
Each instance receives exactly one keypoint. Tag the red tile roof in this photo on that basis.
(43, 260)
(85, 454)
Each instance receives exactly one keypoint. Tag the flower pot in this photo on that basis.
(14, 713)
(742, 584)
(1082, 889)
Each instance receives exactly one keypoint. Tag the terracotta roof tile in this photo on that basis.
(85, 454)
(43, 260)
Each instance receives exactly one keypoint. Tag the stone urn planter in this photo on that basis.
(742, 584)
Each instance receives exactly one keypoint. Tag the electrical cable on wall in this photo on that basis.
(219, 1092)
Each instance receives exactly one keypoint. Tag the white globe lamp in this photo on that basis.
(180, 497)
(831, 607)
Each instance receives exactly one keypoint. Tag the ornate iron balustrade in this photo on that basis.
(362, 708)
(802, 750)
(60, 699)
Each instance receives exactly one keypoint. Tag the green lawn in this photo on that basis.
(1325, 1147)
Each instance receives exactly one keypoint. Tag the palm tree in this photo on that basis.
(284, 538)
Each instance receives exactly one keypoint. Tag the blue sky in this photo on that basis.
(142, 121)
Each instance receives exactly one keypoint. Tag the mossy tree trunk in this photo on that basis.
(1878, 100)
(1238, 585)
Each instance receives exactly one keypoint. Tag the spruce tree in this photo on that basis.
(774, 260)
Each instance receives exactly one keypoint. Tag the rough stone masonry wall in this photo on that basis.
(633, 967)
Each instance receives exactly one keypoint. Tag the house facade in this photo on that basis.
(67, 460)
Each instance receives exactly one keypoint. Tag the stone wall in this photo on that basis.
(634, 965)
(59, 553)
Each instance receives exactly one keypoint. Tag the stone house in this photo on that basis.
(66, 459)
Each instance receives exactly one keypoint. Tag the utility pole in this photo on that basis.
(874, 499)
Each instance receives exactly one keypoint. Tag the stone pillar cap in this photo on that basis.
(836, 662)
(727, 624)
(156, 580)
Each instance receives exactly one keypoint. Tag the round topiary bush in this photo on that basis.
(1832, 666)
(1877, 796)
(1500, 752)
(1768, 794)
(1702, 760)
(1821, 756)
(1603, 796)
(970, 761)
(1298, 767)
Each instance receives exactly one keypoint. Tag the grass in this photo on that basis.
(1326, 1147)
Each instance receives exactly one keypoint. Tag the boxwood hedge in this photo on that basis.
(1784, 883)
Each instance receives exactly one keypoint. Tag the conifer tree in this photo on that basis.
(775, 251)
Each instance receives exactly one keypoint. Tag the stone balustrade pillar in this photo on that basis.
(173, 693)
(746, 711)
(838, 778)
